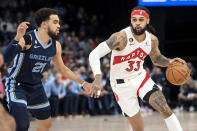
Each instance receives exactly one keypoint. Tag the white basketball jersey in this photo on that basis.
(129, 62)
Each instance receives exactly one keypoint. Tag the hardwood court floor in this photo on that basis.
(153, 122)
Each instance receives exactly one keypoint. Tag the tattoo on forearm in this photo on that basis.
(156, 56)
(157, 101)
(162, 60)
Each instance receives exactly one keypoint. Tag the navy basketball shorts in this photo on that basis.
(33, 98)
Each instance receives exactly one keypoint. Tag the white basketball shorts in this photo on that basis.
(127, 90)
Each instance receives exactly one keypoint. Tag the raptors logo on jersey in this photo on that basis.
(129, 61)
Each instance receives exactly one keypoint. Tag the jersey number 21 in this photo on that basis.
(39, 67)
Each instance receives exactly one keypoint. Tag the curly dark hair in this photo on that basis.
(43, 14)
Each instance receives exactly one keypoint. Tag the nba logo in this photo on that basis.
(130, 39)
(140, 12)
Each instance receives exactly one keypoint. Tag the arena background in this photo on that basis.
(96, 20)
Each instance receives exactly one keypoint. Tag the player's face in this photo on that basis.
(139, 24)
(53, 26)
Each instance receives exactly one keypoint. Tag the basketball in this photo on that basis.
(177, 73)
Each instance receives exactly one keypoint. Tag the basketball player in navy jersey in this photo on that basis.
(31, 57)
(128, 79)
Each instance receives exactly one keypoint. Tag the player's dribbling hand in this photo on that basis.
(21, 30)
(178, 59)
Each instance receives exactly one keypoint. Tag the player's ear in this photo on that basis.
(44, 24)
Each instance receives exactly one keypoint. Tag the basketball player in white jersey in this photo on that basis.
(128, 78)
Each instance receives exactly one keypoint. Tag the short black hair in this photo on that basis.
(43, 14)
(141, 8)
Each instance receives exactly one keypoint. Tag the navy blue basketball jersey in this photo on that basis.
(29, 65)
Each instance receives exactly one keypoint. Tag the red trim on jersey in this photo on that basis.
(141, 54)
(140, 12)
(143, 82)
(116, 96)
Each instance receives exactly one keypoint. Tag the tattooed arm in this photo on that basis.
(117, 41)
(155, 54)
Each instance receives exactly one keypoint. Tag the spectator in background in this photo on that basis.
(6, 27)
(85, 46)
(92, 43)
(51, 72)
(58, 95)
(76, 93)
(83, 72)
(64, 39)
(158, 76)
(107, 99)
(44, 82)
(80, 57)
(29, 18)
(188, 96)
(18, 19)
(23, 7)
(193, 72)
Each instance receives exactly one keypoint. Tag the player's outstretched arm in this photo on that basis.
(156, 56)
(65, 71)
(17, 44)
(117, 41)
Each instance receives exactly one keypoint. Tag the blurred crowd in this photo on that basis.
(80, 33)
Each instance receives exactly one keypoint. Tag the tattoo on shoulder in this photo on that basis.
(154, 41)
(124, 40)
(116, 42)
(112, 42)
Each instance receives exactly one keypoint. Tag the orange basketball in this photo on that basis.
(177, 73)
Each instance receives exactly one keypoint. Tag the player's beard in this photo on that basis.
(138, 32)
(52, 34)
